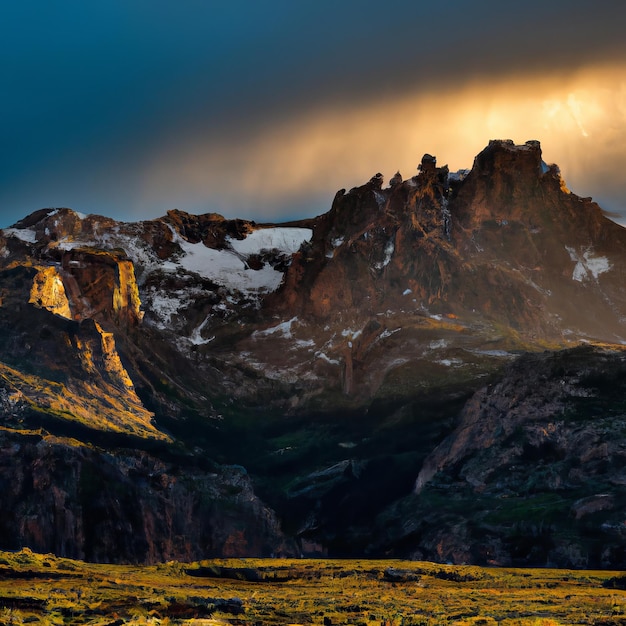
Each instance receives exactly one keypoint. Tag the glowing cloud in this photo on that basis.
(580, 119)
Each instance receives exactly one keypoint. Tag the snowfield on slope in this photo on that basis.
(24, 234)
(282, 238)
(229, 267)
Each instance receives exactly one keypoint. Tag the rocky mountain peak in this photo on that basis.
(212, 229)
(48, 226)
(428, 164)
(503, 155)
(458, 243)
(511, 182)
(247, 341)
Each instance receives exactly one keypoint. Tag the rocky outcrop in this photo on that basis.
(99, 285)
(533, 472)
(68, 370)
(506, 241)
(126, 505)
(506, 182)
(501, 241)
(212, 229)
(48, 292)
(102, 286)
(532, 407)
(373, 244)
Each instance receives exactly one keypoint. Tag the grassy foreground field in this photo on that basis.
(43, 589)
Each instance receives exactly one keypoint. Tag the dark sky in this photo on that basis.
(264, 109)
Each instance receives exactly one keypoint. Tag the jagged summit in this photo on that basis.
(503, 245)
(497, 241)
(314, 353)
(491, 240)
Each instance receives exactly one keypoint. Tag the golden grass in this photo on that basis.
(99, 406)
(43, 589)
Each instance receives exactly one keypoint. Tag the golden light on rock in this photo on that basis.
(48, 292)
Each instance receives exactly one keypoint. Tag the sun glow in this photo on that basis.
(579, 119)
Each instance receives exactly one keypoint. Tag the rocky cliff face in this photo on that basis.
(500, 241)
(126, 505)
(101, 286)
(65, 369)
(336, 358)
(533, 472)
(48, 292)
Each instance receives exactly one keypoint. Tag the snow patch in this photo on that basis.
(335, 243)
(24, 234)
(304, 343)
(284, 239)
(496, 353)
(324, 357)
(164, 306)
(387, 333)
(66, 244)
(438, 344)
(406, 292)
(587, 265)
(284, 329)
(196, 336)
(227, 268)
(449, 362)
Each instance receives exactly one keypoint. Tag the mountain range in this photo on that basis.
(432, 369)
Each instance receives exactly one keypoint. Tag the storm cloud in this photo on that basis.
(264, 110)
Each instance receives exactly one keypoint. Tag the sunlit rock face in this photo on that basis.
(330, 356)
(102, 286)
(79, 281)
(48, 292)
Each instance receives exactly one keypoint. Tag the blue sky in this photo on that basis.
(264, 109)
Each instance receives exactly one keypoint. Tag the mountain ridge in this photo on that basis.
(333, 357)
